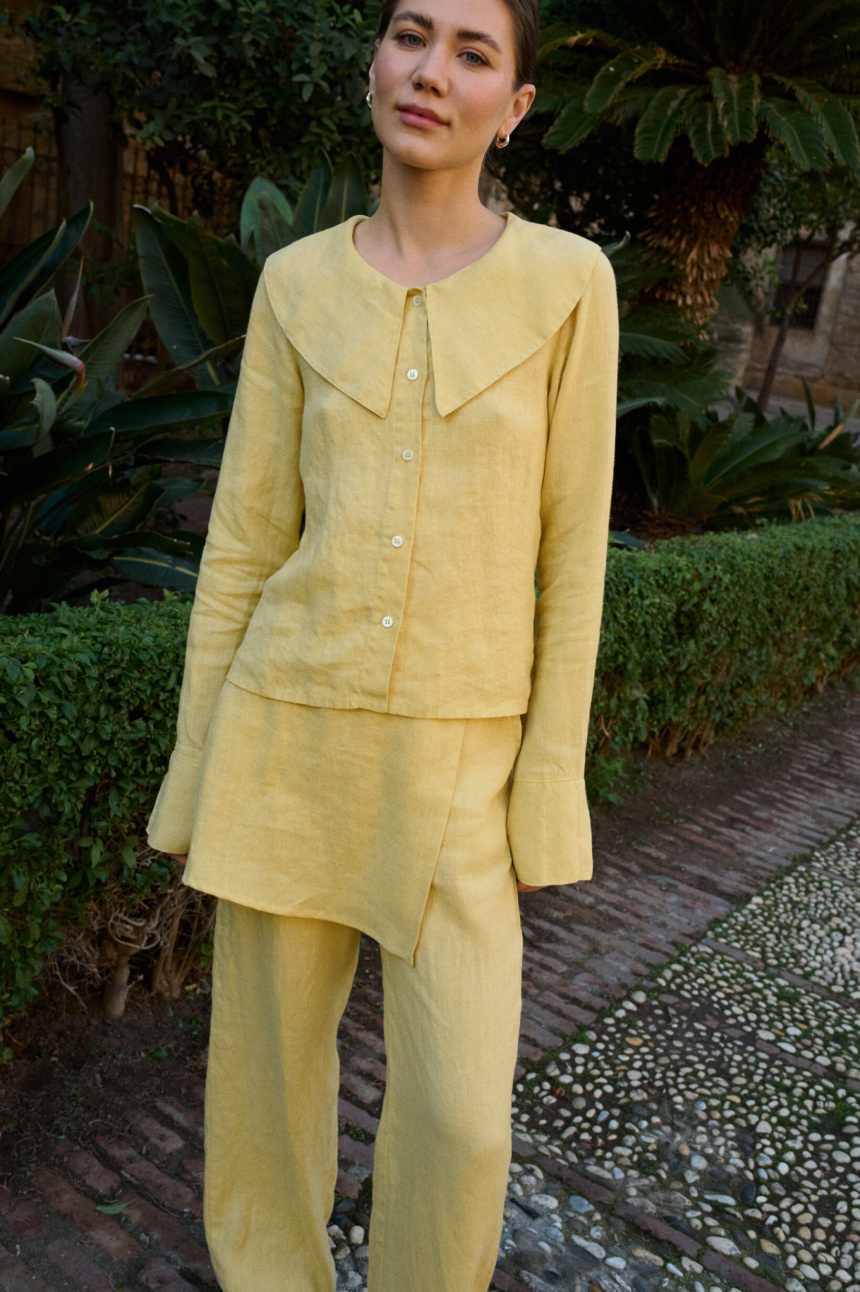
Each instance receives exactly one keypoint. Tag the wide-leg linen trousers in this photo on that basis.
(280, 986)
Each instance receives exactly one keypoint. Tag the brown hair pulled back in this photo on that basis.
(525, 18)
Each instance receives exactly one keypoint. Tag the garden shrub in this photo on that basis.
(706, 633)
(700, 636)
(87, 721)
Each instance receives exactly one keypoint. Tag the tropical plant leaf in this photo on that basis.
(737, 95)
(14, 177)
(159, 569)
(118, 508)
(660, 122)
(42, 475)
(183, 408)
(39, 321)
(571, 125)
(619, 72)
(45, 403)
(29, 271)
(273, 231)
(707, 136)
(652, 347)
(103, 353)
(312, 199)
(834, 118)
(799, 133)
(347, 194)
(204, 453)
(165, 280)
(221, 277)
(249, 221)
(170, 375)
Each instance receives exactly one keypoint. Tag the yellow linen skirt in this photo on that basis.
(341, 814)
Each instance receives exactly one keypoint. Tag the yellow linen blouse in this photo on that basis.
(445, 443)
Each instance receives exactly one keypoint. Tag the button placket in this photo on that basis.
(398, 523)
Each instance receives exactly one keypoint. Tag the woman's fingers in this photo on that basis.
(528, 888)
(181, 857)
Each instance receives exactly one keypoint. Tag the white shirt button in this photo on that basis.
(397, 541)
(416, 300)
(408, 455)
(387, 621)
(412, 374)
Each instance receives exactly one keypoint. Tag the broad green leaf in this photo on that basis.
(42, 475)
(571, 125)
(312, 199)
(31, 269)
(273, 230)
(737, 96)
(39, 321)
(707, 136)
(158, 569)
(170, 375)
(164, 271)
(111, 1208)
(14, 177)
(206, 453)
(834, 118)
(103, 353)
(347, 194)
(22, 435)
(184, 408)
(620, 71)
(651, 347)
(798, 132)
(115, 509)
(221, 277)
(45, 402)
(660, 123)
(249, 221)
(21, 270)
(630, 405)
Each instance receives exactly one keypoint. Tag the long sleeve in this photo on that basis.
(549, 826)
(254, 528)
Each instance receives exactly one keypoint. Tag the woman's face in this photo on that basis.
(456, 62)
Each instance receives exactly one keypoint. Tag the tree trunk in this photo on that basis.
(827, 256)
(90, 169)
(695, 218)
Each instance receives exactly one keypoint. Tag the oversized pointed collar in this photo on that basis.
(345, 318)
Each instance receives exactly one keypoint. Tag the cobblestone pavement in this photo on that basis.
(693, 1013)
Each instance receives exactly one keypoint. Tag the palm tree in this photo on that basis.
(710, 85)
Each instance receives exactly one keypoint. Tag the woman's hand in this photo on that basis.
(528, 888)
(181, 857)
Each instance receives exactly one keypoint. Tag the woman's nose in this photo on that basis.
(432, 73)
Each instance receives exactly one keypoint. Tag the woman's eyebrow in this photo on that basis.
(463, 33)
(466, 33)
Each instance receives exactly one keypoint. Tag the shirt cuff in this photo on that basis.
(169, 827)
(549, 831)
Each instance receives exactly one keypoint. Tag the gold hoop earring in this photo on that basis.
(368, 98)
(503, 143)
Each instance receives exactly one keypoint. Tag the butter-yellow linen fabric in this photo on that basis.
(445, 442)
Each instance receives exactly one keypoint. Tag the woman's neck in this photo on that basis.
(428, 224)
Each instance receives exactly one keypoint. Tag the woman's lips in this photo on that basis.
(417, 119)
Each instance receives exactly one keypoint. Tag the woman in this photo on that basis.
(433, 387)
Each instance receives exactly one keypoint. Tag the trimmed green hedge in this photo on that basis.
(704, 634)
(700, 636)
(87, 720)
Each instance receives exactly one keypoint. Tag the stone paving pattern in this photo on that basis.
(692, 1011)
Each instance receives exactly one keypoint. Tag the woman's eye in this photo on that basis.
(409, 35)
(471, 53)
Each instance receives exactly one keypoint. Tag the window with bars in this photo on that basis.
(806, 264)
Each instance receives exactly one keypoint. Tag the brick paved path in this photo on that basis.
(585, 945)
